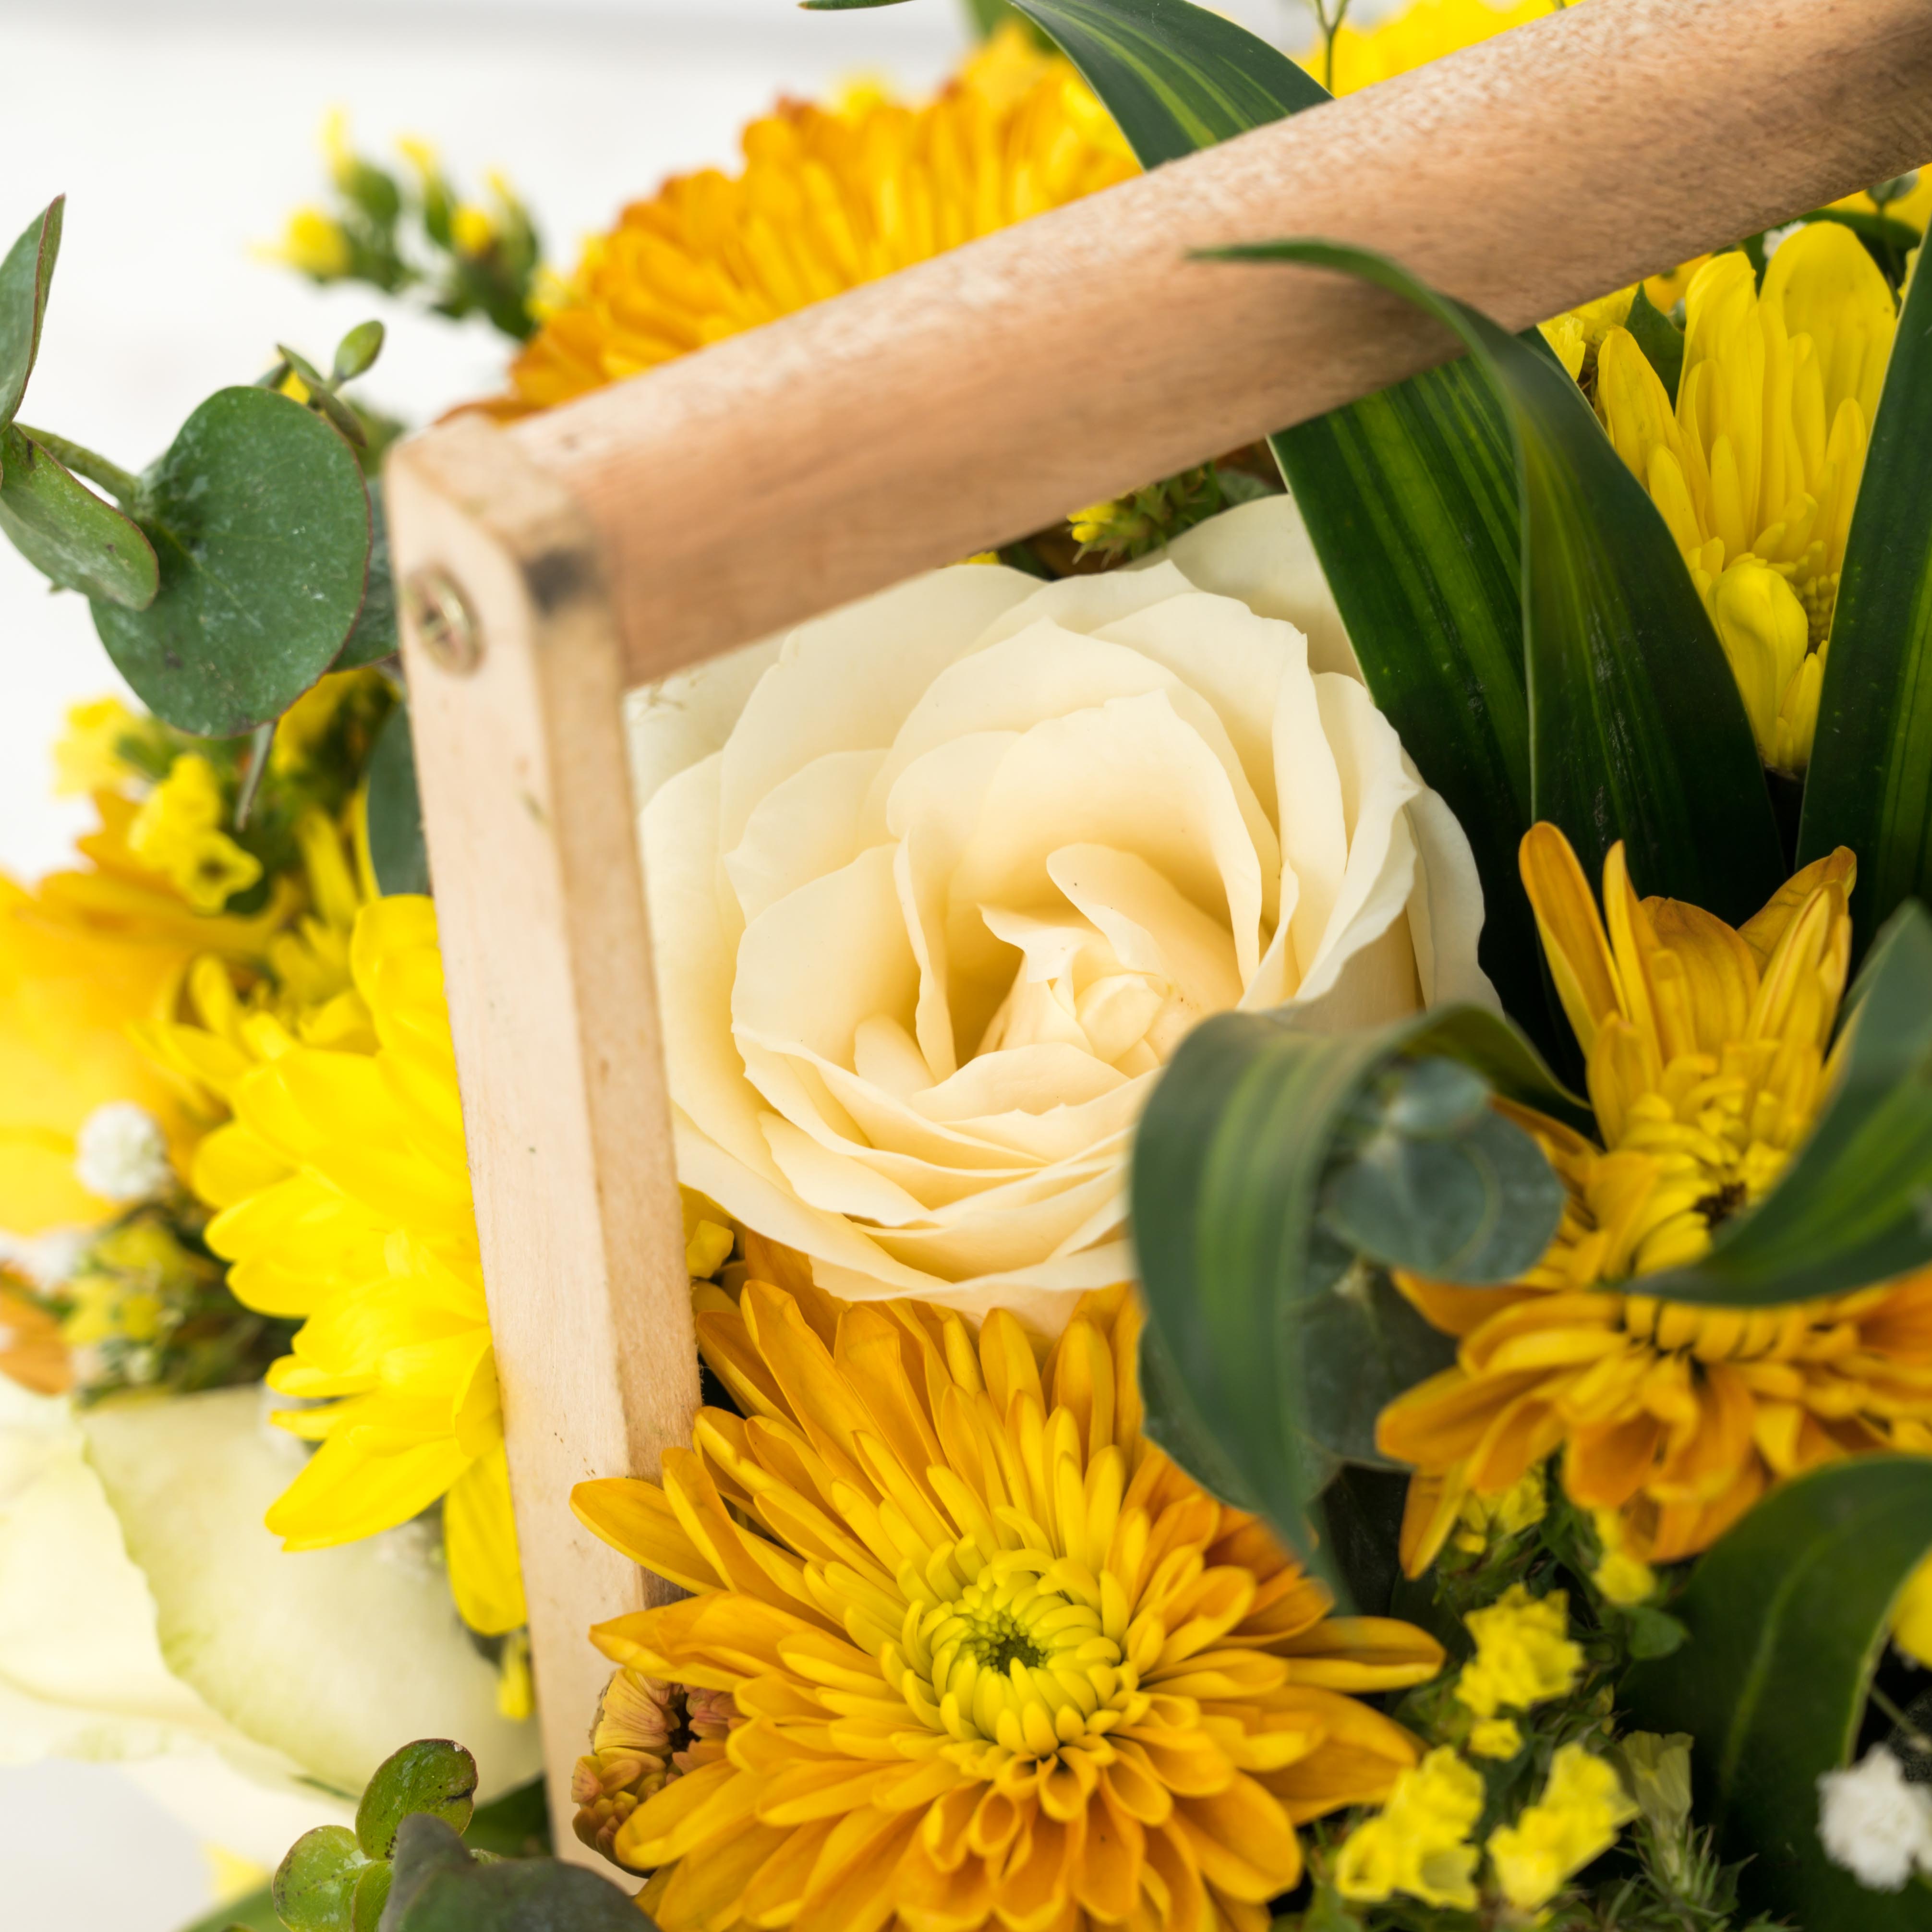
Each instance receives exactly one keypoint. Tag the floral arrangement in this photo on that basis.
(1312, 1280)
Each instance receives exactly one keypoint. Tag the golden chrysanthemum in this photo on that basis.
(829, 197)
(999, 1662)
(1707, 1057)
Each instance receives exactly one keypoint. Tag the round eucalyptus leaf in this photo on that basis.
(315, 1884)
(431, 1777)
(68, 534)
(374, 637)
(26, 271)
(518, 1895)
(260, 521)
(397, 852)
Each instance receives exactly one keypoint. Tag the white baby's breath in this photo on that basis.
(1875, 1824)
(122, 1154)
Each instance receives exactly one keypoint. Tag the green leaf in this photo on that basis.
(1267, 1327)
(24, 277)
(1173, 1422)
(1176, 78)
(260, 521)
(315, 1884)
(1660, 338)
(1870, 784)
(67, 533)
(1410, 497)
(1636, 729)
(355, 354)
(425, 1848)
(845, 6)
(371, 1896)
(1787, 1614)
(375, 637)
(1851, 1209)
(397, 852)
(431, 1777)
(439, 1887)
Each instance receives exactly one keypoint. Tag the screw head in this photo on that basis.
(443, 620)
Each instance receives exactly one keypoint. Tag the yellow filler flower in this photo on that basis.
(998, 1662)
(1705, 1049)
(1583, 1808)
(344, 1190)
(828, 198)
(1757, 468)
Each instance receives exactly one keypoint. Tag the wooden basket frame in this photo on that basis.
(547, 567)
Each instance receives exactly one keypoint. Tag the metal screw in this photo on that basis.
(442, 619)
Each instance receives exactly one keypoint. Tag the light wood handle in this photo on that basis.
(986, 393)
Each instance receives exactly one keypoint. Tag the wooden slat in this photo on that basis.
(960, 404)
(547, 955)
(985, 394)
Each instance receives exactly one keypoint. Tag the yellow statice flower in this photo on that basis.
(1705, 1050)
(1623, 1576)
(344, 1188)
(1000, 1662)
(1583, 1808)
(1525, 1654)
(829, 197)
(1418, 1843)
(178, 831)
(1757, 467)
(1484, 1521)
(313, 243)
(1495, 1737)
(87, 755)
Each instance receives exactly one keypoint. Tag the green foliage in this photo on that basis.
(397, 852)
(1787, 1614)
(1256, 1163)
(260, 517)
(1636, 731)
(440, 1886)
(1870, 783)
(1850, 1209)
(25, 275)
(431, 1777)
(1660, 338)
(375, 636)
(73, 539)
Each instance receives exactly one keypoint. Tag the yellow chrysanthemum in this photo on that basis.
(343, 1186)
(828, 198)
(177, 831)
(1706, 1057)
(1757, 467)
(999, 1662)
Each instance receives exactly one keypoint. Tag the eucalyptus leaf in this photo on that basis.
(439, 1887)
(1637, 732)
(1660, 338)
(25, 275)
(430, 1777)
(260, 521)
(1870, 783)
(71, 536)
(314, 1888)
(375, 635)
(1787, 1614)
(1271, 1335)
(424, 1848)
(1853, 1207)
(397, 852)
(355, 354)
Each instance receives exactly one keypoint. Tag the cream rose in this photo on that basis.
(940, 881)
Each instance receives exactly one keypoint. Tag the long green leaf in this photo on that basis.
(67, 533)
(1250, 1247)
(25, 273)
(1870, 785)
(1851, 1209)
(1787, 1614)
(1636, 729)
(1175, 77)
(1410, 498)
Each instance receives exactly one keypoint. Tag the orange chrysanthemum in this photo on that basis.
(828, 198)
(1706, 1052)
(998, 1662)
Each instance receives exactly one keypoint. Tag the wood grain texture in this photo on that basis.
(983, 394)
(552, 1002)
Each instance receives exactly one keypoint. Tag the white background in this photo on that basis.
(182, 132)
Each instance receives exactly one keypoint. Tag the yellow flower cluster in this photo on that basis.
(1483, 1521)
(1757, 465)
(178, 832)
(1418, 1843)
(1582, 1808)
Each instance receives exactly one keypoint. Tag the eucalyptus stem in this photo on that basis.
(1330, 25)
(1914, 1736)
(259, 740)
(84, 462)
